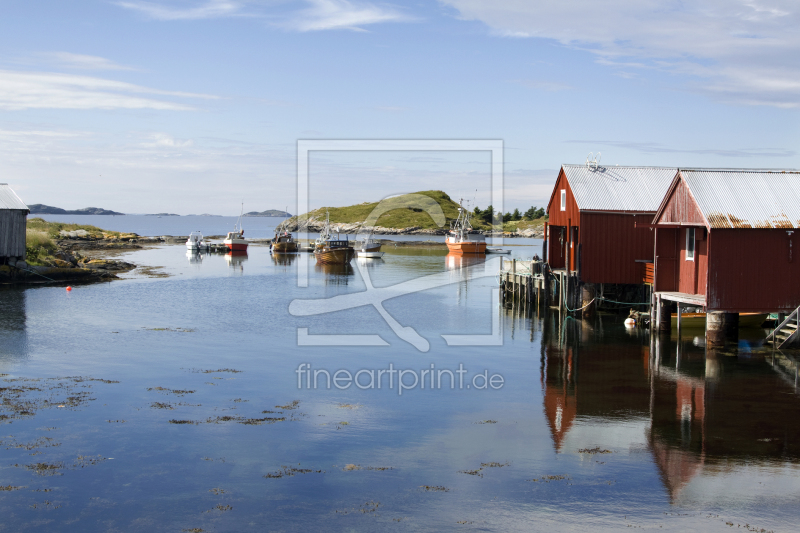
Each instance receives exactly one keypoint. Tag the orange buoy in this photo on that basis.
(69, 289)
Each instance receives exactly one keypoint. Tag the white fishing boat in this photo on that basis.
(460, 239)
(196, 242)
(497, 251)
(369, 255)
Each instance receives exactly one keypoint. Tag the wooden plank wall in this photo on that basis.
(12, 232)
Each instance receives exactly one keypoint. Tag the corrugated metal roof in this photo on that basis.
(747, 198)
(9, 199)
(634, 189)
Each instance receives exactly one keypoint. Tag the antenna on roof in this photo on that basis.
(593, 161)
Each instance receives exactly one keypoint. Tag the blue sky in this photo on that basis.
(193, 106)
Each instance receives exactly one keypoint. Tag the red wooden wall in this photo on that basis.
(681, 207)
(610, 246)
(557, 216)
(753, 270)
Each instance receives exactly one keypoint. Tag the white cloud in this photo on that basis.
(81, 61)
(209, 9)
(739, 51)
(36, 90)
(342, 15)
(167, 141)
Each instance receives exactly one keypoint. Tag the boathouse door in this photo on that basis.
(558, 239)
(666, 259)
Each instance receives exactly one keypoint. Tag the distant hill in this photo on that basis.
(41, 209)
(162, 215)
(268, 213)
(399, 217)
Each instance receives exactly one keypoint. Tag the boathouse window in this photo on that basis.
(690, 244)
(563, 199)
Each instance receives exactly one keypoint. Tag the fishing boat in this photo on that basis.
(369, 255)
(283, 244)
(497, 251)
(369, 248)
(698, 320)
(195, 241)
(328, 250)
(460, 240)
(235, 241)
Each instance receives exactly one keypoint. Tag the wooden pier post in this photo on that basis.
(721, 326)
(663, 323)
(588, 294)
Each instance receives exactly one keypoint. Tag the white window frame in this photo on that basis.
(690, 240)
(563, 199)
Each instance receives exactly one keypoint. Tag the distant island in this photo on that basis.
(41, 209)
(162, 215)
(268, 213)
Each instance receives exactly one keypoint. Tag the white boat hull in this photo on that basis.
(497, 251)
(371, 255)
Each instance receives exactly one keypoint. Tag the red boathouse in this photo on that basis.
(599, 217)
(728, 240)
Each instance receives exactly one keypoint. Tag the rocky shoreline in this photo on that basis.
(312, 225)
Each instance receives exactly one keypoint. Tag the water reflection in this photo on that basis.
(335, 274)
(236, 259)
(13, 324)
(284, 259)
(194, 256)
(705, 413)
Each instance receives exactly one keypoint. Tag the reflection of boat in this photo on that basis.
(194, 256)
(235, 240)
(336, 270)
(456, 261)
(284, 259)
(698, 320)
(282, 244)
(460, 240)
(332, 251)
(195, 241)
(235, 259)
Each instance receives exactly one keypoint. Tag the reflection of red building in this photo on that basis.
(608, 381)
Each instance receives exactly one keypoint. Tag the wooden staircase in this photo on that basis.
(786, 333)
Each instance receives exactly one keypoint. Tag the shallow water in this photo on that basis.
(594, 426)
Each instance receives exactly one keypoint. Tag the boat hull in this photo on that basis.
(284, 247)
(334, 256)
(466, 247)
(369, 254)
(236, 246)
(698, 320)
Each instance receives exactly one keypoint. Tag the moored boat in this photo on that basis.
(235, 241)
(328, 250)
(460, 239)
(698, 320)
(195, 241)
(369, 255)
(282, 244)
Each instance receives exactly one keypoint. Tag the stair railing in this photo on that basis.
(794, 316)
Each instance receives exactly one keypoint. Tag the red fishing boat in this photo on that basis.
(235, 241)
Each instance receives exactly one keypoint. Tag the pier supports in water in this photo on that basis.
(721, 326)
(662, 321)
(588, 303)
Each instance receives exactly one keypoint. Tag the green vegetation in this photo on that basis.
(39, 247)
(401, 216)
(53, 228)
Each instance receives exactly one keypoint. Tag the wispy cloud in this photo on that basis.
(81, 61)
(736, 51)
(205, 10)
(37, 90)
(343, 15)
(656, 148)
(165, 140)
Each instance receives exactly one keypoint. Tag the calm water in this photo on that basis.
(593, 428)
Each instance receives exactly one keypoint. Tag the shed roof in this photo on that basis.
(635, 189)
(9, 199)
(742, 198)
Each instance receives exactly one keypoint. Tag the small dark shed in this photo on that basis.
(13, 215)
(594, 212)
(728, 239)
